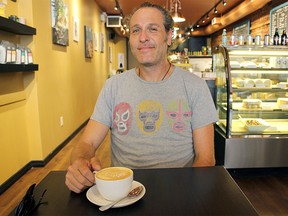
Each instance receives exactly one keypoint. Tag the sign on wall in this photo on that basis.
(279, 18)
(242, 29)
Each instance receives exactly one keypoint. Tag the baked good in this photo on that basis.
(248, 64)
(251, 103)
(249, 83)
(234, 64)
(283, 84)
(282, 103)
(267, 83)
(259, 83)
(240, 82)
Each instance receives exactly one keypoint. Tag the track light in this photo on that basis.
(224, 2)
(207, 17)
(215, 10)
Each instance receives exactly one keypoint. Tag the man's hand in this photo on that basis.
(80, 174)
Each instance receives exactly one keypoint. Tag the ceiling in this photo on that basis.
(192, 10)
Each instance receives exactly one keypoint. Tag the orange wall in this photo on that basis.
(67, 84)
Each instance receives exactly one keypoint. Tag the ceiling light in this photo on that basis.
(175, 5)
(224, 2)
(207, 17)
(215, 10)
(116, 8)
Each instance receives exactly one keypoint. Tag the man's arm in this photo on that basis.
(83, 162)
(203, 139)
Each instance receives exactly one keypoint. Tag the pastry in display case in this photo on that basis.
(252, 104)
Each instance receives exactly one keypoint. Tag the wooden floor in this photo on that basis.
(268, 194)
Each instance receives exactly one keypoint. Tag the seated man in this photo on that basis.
(159, 115)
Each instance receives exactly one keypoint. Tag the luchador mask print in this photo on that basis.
(179, 115)
(122, 118)
(149, 116)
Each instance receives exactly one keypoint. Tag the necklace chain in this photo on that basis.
(164, 74)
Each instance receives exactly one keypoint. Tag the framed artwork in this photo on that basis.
(59, 15)
(95, 41)
(76, 29)
(88, 35)
(110, 54)
(101, 42)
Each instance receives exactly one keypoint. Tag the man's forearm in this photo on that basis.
(82, 150)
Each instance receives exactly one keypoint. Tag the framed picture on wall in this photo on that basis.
(110, 54)
(88, 35)
(59, 15)
(76, 29)
(95, 41)
(102, 42)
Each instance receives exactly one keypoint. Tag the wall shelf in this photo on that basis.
(16, 27)
(18, 67)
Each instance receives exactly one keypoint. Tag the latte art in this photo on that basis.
(113, 173)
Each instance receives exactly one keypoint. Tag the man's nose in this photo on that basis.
(143, 36)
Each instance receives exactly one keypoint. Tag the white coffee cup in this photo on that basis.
(114, 183)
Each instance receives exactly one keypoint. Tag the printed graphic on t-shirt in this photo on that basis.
(122, 118)
(149, 115)
(179, 115)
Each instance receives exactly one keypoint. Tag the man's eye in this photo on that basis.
(153, 29)
(135, 30)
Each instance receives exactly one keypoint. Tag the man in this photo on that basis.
(159, 115)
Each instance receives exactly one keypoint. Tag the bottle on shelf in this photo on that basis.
(284, 38)
(233, 39)
(224, 37)
(276, 37)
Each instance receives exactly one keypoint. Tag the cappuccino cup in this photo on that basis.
(114, 183)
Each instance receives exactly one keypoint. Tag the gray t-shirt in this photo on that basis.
(151, 122)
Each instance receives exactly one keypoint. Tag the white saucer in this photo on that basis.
(94, 196)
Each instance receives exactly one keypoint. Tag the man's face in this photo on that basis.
(148, 39)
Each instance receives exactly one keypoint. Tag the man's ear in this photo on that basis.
(169, 37)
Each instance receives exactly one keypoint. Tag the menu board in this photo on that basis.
(242, 29)
(279, 18)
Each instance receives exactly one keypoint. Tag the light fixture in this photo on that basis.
(224, 2)
(215, 10)
(176, 28)
(175, 5)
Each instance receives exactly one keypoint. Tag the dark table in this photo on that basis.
(175, 191)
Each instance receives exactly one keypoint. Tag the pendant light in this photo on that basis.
(175, 5)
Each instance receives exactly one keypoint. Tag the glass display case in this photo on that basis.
(252, 105)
